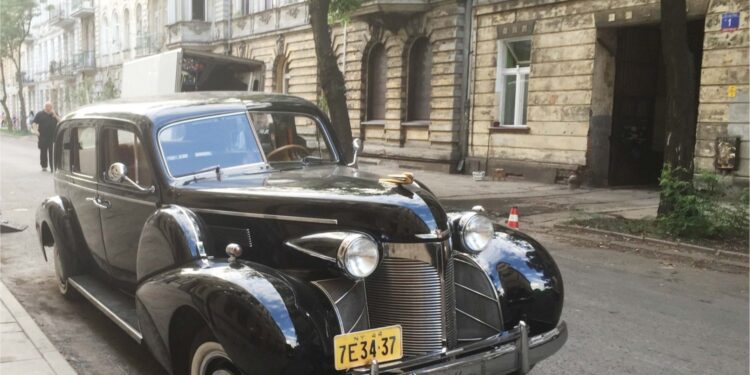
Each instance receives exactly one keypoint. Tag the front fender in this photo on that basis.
(266, 321)
(172, 236)
(526, 278)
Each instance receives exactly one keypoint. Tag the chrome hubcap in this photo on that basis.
(217, 363)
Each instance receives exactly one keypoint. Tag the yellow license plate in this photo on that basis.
(361, 348)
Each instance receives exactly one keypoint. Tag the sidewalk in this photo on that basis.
(540, 204)
(24, 349)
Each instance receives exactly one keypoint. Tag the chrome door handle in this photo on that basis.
(98, 203)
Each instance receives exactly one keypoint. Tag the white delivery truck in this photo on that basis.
(182, 70)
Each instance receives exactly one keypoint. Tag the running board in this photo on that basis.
(115, 304)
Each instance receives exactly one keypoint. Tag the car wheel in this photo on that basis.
(64, 268)
(209, 357)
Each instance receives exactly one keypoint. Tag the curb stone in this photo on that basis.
(701, 249)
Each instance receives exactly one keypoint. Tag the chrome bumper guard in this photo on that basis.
(508, 352)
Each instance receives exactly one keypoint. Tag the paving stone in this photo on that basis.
(10, 327)
(5, 316)
(34, 366)
(16, 346)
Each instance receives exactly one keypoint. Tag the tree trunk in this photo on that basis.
(19, 82)
(4, 99)
(330, 77)
(681, 111)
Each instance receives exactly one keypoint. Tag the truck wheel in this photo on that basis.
(209, 358)
(64, 268)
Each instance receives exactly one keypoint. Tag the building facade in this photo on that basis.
(539, 88)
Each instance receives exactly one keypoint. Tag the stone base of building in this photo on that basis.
(533, 171)
(410, 157)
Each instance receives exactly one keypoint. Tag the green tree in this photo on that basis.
(332, 83)
(15, 25)
(682, 111)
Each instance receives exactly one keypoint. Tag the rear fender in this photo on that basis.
(57, 215)
(266, 321)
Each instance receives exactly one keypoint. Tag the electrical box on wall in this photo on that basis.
(726, 153)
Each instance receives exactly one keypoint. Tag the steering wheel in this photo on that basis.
(287, 150)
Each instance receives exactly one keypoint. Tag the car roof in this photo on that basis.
(164, 109)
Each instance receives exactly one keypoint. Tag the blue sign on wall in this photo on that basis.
(730, 21)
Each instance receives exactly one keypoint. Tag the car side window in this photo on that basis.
(124, 146)
(83, 151)
(62, 150)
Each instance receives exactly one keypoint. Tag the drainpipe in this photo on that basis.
(463, 132)
(229, 28)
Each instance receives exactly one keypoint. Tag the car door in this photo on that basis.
(129, 204)
(78, 171)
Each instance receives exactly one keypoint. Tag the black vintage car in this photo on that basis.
(225, 232)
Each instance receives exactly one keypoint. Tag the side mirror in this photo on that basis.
(357, 147)
(116, 172)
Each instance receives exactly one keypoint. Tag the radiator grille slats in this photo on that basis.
(408, 292)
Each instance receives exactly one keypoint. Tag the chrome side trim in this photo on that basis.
(267, 216)
(468, 260)
(333, 304)
(476, 319)
(128, 199)
(131, 331)
(466, 288)
(58, 179)
(310, 252)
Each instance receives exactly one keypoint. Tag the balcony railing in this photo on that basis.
(148, 43)
(81, 8)
(59, 17)
(27, 79)
(84, 61)
(60, 69)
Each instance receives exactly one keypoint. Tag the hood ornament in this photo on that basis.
(406, 178)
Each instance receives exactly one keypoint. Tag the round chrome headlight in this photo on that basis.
(476, 231)
(358, 255)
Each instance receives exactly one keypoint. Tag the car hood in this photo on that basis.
(336, 195)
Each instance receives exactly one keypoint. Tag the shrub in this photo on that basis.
(700, 208)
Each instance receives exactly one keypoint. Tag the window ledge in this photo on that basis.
(416, 124)
(374, 122)
(523, 129)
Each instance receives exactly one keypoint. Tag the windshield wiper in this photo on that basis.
(307, 160)
(216, 168)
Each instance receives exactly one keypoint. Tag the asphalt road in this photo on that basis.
(626, 314)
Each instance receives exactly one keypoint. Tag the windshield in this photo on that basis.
(194, 146)
(290, 137)
(231, 140)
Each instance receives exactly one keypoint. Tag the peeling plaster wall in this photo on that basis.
(725, 63)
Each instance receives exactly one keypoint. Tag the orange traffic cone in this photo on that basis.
(513, 218)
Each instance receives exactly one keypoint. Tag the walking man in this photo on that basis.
(46, 123)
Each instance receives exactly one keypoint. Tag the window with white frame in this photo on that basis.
(512, 86)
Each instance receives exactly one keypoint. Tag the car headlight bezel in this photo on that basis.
(470, 229)
(358, 256)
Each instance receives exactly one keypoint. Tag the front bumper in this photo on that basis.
(509, 352)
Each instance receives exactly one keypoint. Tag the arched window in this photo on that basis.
(419, 89)
(115, 32)
(138, 19)
(377, 70)
(126, 30)
(105, 36)
(281, 75)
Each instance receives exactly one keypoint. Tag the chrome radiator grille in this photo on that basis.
(449, 293)
(408, 292)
